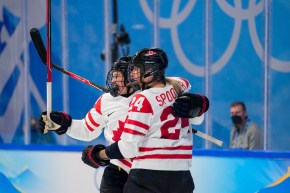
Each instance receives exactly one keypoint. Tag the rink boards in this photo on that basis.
(60, 169)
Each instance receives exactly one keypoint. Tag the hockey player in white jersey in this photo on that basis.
(108, 113)
(159, 142)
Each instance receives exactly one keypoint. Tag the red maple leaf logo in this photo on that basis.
(117, 133)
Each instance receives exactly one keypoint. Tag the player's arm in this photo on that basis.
(99, 155)
(190, 105)
(62, 123)
(137, 125)
(91, 156)
(184, 106)
(118, 150)
(135, 128)
(180, 85)
(90, 127)
(112, 151)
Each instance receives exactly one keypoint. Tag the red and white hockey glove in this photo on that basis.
(59, 121)
(190, 105)
(90, 156)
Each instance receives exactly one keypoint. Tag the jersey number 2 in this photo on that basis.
(173, 123)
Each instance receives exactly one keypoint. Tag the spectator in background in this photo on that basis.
(245, 134)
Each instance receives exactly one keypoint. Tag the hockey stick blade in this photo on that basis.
(38, 44)
(207, 137)
(40, 48)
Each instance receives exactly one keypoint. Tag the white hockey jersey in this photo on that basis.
(153, 135)
(108, 112)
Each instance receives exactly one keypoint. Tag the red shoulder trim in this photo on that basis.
(139, 103)
(186, 82)
(97, 105)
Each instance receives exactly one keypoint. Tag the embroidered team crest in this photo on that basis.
(149, 53)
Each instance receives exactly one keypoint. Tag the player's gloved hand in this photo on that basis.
(190, 105)
(90, 156)
(60, 122)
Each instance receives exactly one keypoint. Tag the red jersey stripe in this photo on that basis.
(165, 156)
(186, 81)
(92, 120)
(138, 123)
(133, 132)
(125, 162)
(88, 126)
(181, 147)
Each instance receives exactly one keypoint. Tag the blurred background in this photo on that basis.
(228, 50)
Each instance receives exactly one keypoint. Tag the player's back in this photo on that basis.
(165, 141)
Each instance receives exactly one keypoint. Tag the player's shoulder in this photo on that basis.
(179, 79)
(183, 83)
(106, 96)
(107, 103)
(147, 94)
(139, 95)
(103, 101)
(140, 103)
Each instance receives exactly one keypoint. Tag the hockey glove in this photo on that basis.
(190, 105)
(90, 156)
(60, 122)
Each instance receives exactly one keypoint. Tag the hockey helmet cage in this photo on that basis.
(120, 65)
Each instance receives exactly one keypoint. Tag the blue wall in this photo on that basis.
(219, 46)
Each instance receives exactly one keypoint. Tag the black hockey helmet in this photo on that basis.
(152, 62)
(120, 65)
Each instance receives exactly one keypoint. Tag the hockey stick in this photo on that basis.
(48, 56)
(207, 137)
(40, 48)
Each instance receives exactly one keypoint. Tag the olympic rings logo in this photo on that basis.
(237, 13)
